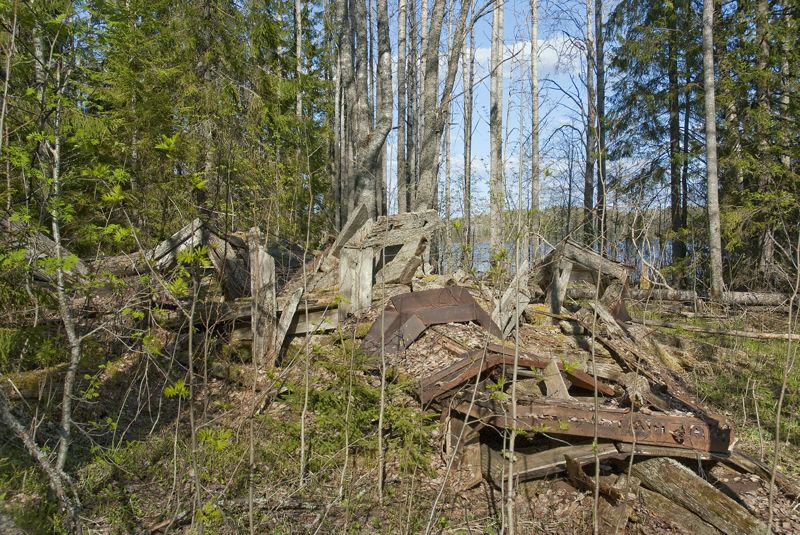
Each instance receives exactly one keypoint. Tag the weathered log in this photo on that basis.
(667, 509)
(726, 332)
(515, 299)
(755, 298)
(679, 484)
(594, 261)
(263, 303)
(635, 294)
(38, 246)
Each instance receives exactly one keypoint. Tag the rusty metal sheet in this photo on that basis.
(579, 378)
(478, 361)
(408, 315)
(623, 425)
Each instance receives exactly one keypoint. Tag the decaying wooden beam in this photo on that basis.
(399, 229)
(165, 254)
(532, 463)
(38, 246)
(263, 303)
(287, 315)
(682, 486)
(554, 383)
(683, 519)
(232, 271)
(401, 268)
(558, 285)
(594, 261)
(355, 280)
(514, 300)
(355, 222)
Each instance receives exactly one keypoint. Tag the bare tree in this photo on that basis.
(600, 111)
(712, 180)
(535, 162)
(591, 133)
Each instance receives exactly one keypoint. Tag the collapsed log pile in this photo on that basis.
(580, 387)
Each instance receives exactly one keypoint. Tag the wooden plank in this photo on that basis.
(287, 316)
(401, 269)
(516, 297)
(682, 486)
(531, 463)
(558, 285)
(231, 270)
(556, 387)
(165, 254)
(399, 229)
(316, 321)
(263, 303)
(355, 280)
(666, 509)
(354, 223)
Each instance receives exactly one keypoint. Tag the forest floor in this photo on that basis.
(145, 471)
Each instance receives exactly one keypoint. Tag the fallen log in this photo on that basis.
(682, 486)
(726, 332)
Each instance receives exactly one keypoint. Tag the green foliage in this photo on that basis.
(178, 390)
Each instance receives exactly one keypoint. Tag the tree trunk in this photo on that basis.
(433, 108)
(402, 199)
(466, 238)
(496, 186)
(535, 164)
(678, 247)
(591, 134)
(298, 55)
(601, 117)
(767, 260)
(712, 180)
(413, 103)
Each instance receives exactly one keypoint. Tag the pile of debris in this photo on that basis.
(577, 387)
